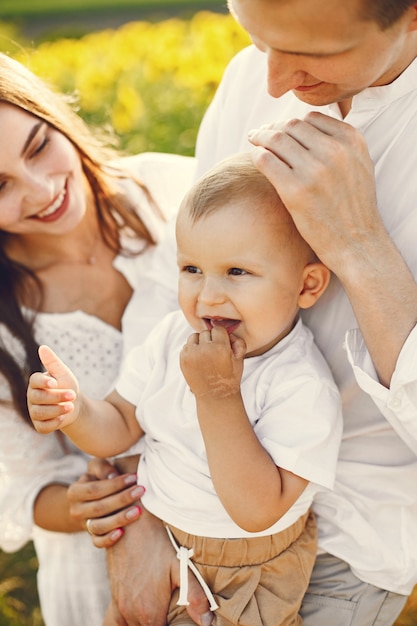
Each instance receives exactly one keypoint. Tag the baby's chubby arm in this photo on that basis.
(253, 490)
(99, 427)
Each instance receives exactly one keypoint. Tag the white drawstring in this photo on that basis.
(184, 556)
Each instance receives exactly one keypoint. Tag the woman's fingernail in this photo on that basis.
(133, 513)
(111, 475)
(115, 534)
(130, 479)
(137, 492)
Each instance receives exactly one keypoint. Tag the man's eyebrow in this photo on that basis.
(31, 135)
(309, 54)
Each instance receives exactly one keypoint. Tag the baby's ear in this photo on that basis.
(316, 277)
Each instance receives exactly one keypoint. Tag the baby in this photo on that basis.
(239, 412)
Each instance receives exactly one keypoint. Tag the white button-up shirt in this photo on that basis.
(370, 519)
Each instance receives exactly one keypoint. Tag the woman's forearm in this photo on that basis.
(51, 510)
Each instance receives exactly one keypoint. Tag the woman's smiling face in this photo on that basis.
(42, 185)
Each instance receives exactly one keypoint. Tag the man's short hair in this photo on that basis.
(385, 12)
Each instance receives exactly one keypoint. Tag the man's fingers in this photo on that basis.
(317, 133)
(329, 125)
(198, 608)
(291, 145)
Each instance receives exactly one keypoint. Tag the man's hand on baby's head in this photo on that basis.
(52, 395)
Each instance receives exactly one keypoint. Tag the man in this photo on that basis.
(333, 67)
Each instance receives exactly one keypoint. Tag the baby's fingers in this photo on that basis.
(41, 380)
(52, 397)
(48, 407)
(57, 368)
(46, 418)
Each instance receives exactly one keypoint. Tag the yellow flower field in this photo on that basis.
(151, 81)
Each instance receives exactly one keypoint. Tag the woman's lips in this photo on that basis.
(54, 210)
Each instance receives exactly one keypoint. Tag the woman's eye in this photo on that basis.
(236, 271)
(41, 146)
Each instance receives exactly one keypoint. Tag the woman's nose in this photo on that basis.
(38, 189)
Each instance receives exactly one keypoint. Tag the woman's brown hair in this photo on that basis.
(21, 88)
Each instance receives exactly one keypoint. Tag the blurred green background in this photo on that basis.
(147, 69)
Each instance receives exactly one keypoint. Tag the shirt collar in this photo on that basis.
(374, 98)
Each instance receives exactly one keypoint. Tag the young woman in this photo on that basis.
(80, 269)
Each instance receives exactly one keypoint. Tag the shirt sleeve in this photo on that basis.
(301, 427)
(398, 404)
(28, 462)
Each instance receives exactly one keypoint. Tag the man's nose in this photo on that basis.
(284, 72)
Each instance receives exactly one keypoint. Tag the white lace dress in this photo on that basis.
(72, 579)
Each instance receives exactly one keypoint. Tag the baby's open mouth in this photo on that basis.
(229, 324)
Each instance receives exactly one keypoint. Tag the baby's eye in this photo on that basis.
(191, 269)
(236, 271)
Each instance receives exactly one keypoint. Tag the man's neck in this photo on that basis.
(345, 106)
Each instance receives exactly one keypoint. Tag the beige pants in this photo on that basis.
(259, 581)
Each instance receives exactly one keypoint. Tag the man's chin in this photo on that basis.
(316, 97)
(322, 97)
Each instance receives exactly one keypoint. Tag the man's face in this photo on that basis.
(323, 50)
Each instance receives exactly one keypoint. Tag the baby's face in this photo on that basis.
(239, 270)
